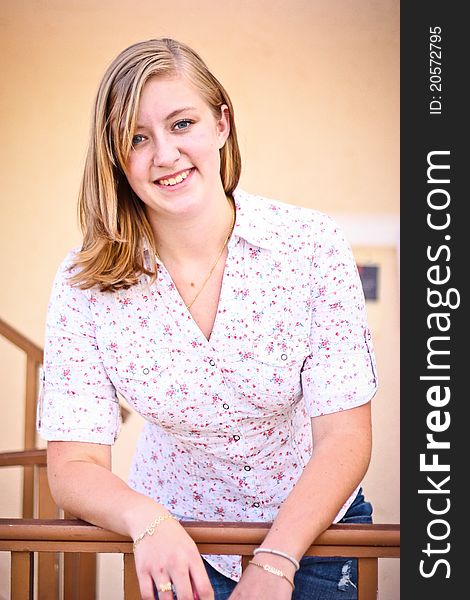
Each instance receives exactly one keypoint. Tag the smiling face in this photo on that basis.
(174, 164)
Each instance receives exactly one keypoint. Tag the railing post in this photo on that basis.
(30, 403)
(22, 575)
(245, 561)
(48, 562)
(29, 433)
(47, 509)
(367, 578)
(79, 576)
(131, 584)
(28, 492)
(79, 573)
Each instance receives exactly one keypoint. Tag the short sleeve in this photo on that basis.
(77, 401)
(340, 372)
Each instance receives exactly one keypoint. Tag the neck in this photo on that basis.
(195, 237)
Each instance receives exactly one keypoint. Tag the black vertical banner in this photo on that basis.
(435, 260)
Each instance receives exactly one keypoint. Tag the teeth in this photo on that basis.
(174, 180)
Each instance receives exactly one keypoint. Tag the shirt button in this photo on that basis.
(212, 362)
(247, 468)
(256, 504)
(236, 437)
(145, 371)
(226, 406)
(283, 356)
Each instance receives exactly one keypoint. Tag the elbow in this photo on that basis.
(57, 483)
(73, 471)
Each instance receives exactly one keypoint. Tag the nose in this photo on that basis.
(165, 151)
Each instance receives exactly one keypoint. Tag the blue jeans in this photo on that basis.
(319, 577)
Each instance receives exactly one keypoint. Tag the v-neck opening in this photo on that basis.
(220, 300)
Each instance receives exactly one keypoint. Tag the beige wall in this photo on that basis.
(315, 84)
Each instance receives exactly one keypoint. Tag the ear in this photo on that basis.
(223, 125)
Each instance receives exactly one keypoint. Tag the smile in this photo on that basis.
(175, 179)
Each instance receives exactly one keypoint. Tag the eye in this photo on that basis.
(183, 124)
(137, 139)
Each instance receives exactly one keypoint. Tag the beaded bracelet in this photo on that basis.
(279, 553)
(150, 530)
(273, 571)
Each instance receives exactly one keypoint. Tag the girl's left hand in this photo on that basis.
(257, 584)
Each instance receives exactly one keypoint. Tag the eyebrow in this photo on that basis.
(172, 115)
(178, 111)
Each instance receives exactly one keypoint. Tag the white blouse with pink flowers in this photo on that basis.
(227, 421)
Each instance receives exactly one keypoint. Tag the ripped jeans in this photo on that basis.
(319, 577)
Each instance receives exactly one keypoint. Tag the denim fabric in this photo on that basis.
(319, 578)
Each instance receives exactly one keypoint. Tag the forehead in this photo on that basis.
(161, 95)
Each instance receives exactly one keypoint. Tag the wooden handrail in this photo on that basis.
(23, 458)
(385, 538)
(23, 537)
(25, 344)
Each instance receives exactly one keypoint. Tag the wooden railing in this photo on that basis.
(23, 537)
(34, 358)
(32, 459)
(36, 497)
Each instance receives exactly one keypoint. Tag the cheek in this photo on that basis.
(205, 141)
(207, 147)
(135, 170)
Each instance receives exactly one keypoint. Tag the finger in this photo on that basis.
(147, 588)
(163, 589)
(201, 584)
(182, 586)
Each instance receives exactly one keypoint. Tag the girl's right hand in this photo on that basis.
(171, 556)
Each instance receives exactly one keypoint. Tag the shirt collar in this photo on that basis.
(252, 221)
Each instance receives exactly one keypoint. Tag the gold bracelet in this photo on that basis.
(273, 571)
(151, 528)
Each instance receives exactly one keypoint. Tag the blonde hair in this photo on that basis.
(113, 220)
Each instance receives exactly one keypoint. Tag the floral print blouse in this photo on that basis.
(227, 420)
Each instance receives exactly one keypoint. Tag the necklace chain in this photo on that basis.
(188, 306)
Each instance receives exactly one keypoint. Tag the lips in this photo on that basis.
(174, 179)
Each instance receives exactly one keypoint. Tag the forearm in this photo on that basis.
(90, 491)
(336, 467)
(82, 483)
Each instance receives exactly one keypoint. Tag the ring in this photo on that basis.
(165, 587)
